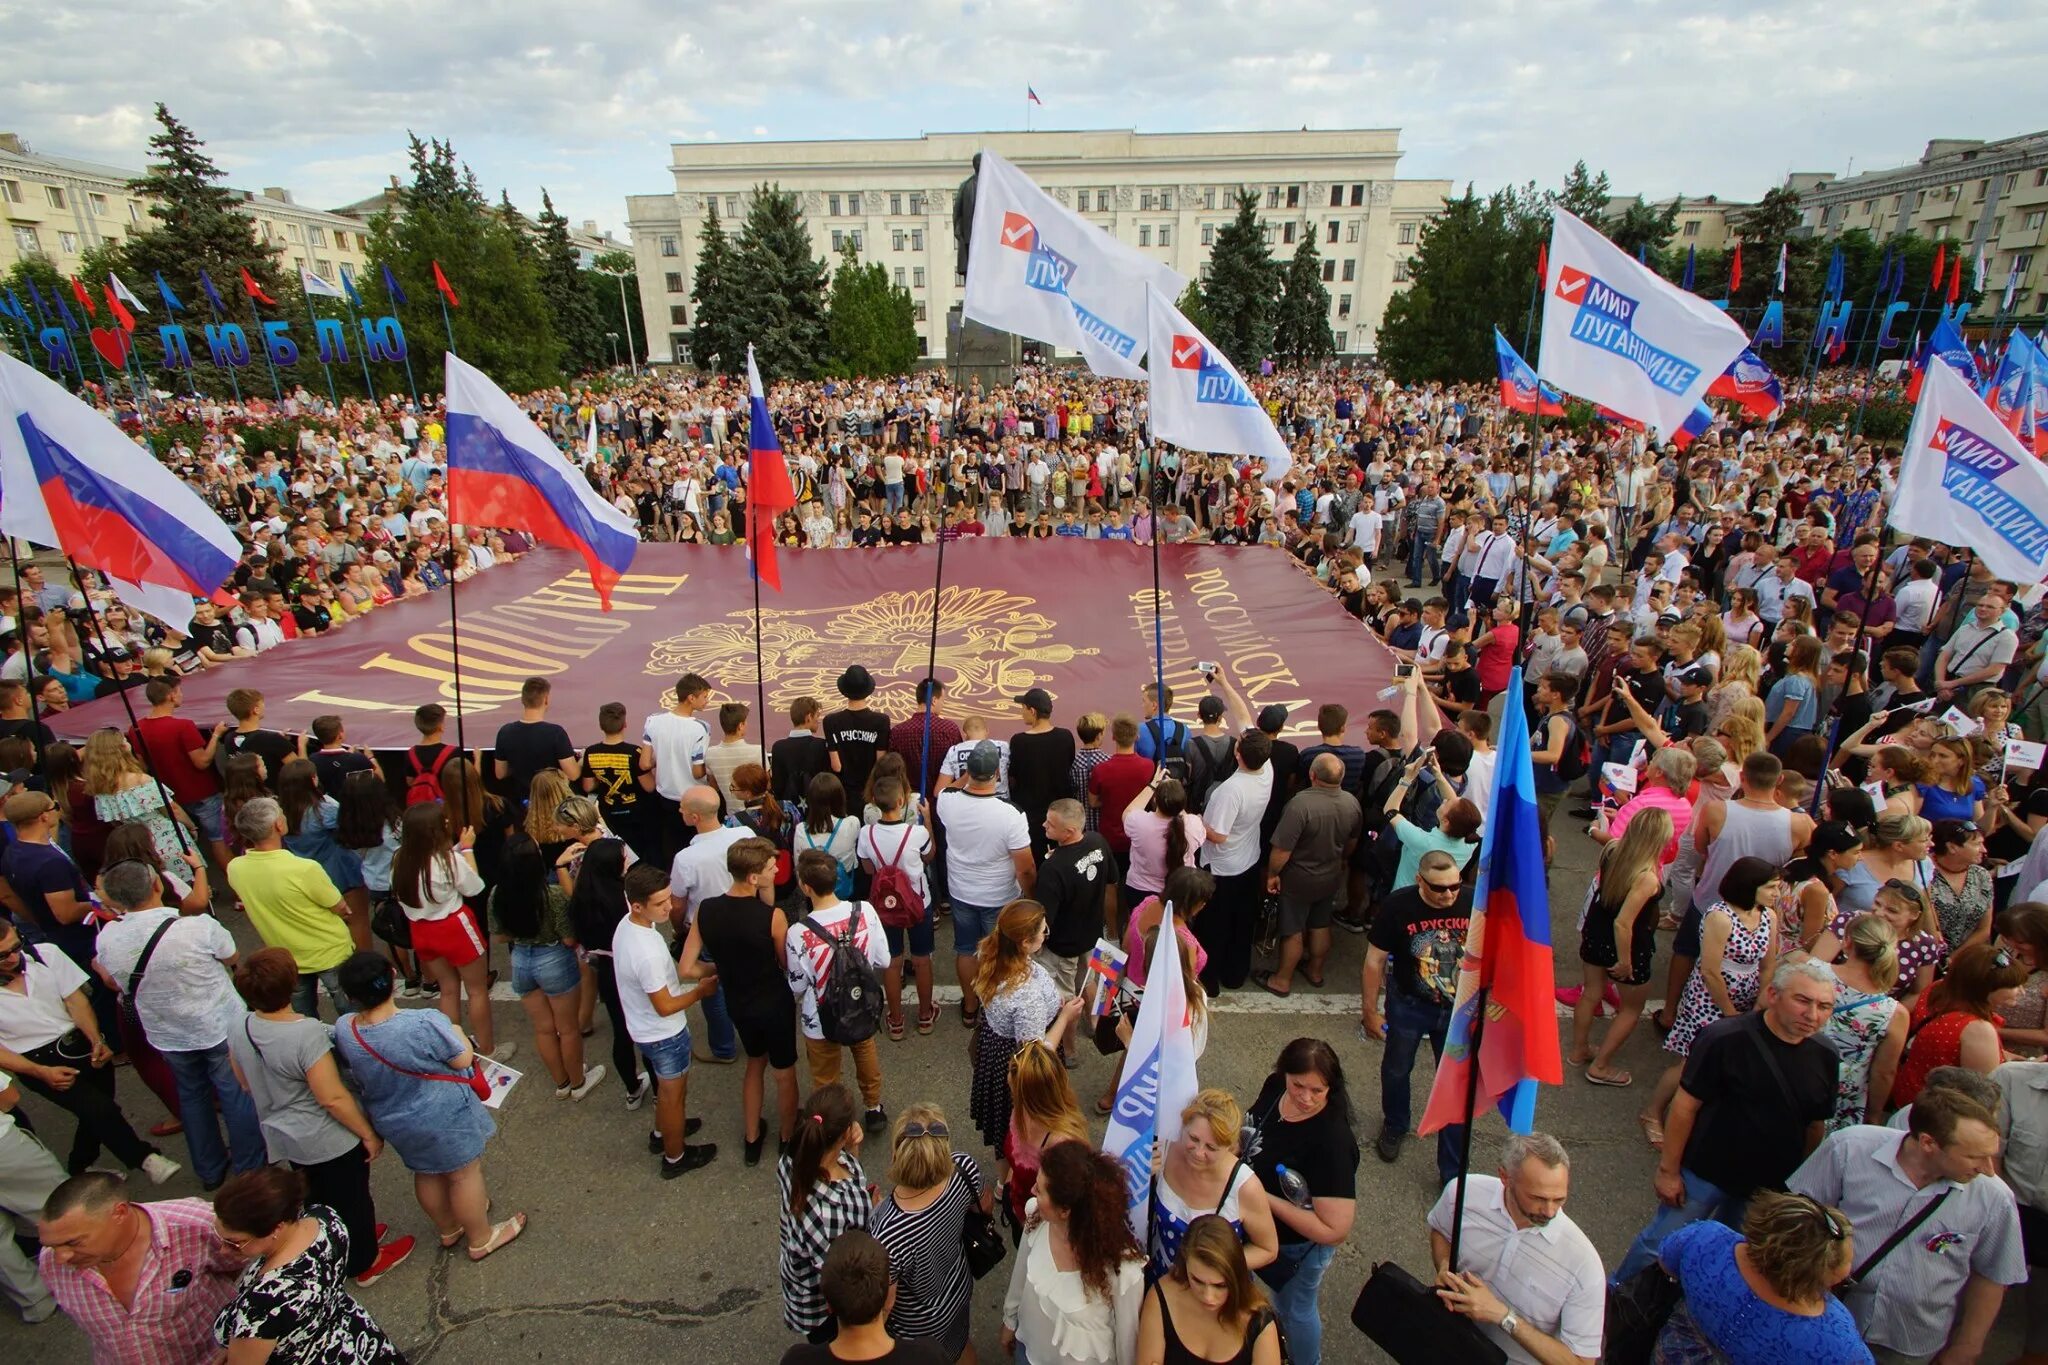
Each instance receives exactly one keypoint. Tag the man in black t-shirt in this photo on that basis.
(1420, 930)
(245, 704)
(212, 641)
(800, 755)
(333, 759)
(619, 774)
(531, 744)
(1750, 1104)
(1041, 764)
(1077, 885)
(856, 735)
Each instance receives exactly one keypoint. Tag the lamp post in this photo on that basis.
(619, 264)
(613, 338)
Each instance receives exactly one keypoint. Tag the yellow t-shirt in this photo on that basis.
(290, 901)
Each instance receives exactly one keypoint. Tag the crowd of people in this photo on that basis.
(1800, 745)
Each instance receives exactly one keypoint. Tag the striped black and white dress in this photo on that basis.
(928, 1261)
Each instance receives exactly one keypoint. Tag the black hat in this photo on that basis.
(1273, 719)
(1697, 676)
(1210, 708)
(1038, 699)
(856, 682)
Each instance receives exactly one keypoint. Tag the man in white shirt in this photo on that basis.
(1363, 534)
(1496, 555)
(1526, 1273)
(652, 998)
(988, 861)
(808, 960)
(174, 969)
(1232, 814)
(696, 874)
(679, 740)
(257, 632)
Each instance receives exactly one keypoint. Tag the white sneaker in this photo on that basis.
(408, 991)
(159, 1168)
(636, 1098)
(504, 1052)
(591, 1076)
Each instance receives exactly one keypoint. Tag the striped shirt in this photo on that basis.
(186, 1278)
(834, 1206)
(928, 1260)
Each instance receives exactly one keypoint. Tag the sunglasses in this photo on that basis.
(1444, 888)
(916, 1129)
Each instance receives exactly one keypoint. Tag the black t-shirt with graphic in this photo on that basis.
(1423, 943)
(1070, 885)
(858, 737)
(1321, 1150)
(616, 770)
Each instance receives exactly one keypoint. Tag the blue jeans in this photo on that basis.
(718, 1029)
(668, 1058)
(204, 1078)
(1297, 1303)
(893, 493)
(1421, 556)
(1409, 1021)
(1702, 1201)
(306, 998)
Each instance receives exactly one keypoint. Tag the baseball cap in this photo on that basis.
(1697, 676)
(984, 760)
(1273, 719)
(1211, 708)
(1038, 699)
(855, 683)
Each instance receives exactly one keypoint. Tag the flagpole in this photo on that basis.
(1471, 1109)
(455, 627)
(1163, 723)
(276, 389)
(760, 682)
(446, 323)
(314, 318)
(931, 663)
(128, 705)
(362, 350)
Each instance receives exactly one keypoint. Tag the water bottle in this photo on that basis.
(1294, 1187)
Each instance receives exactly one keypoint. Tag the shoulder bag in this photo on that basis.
(475, 1080)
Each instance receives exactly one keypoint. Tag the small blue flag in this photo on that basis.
(1899, 274)
(171, 303)
(1837, 269)
(36, 297)
(348, 285)
(12, 308)
(213, 298)
(391, 288)
(1643, 253)
(64, 313)
(1687, 286)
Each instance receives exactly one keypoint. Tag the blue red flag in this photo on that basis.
(1689, 262)
(1750, 383)
(1505, 969)
(1946, 343)
(1694, 427)
(1519, 390)
(504, 471)
(2018, 394)
(768, 487)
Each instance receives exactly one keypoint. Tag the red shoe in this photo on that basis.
(389, 1257)
(168, 1128)
(382, 1228)
(1569, 995)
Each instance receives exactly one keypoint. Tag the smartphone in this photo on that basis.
(1404, 670)
(1206, 668)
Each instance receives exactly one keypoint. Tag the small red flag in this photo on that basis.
(120, 311)
(1940, 260)
(1955, 278)
(84, 297)
(447, 289)
(255, 290)
(1543, 263)
(1735, 269)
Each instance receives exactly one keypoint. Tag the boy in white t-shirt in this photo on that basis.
(808, 958)
(894, 841)
(974, 731)
(653, 1000)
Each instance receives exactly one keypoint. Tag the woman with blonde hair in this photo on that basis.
(1793, 705)
(1952, 791)
(1741, 735)
(1618, 940)
(1916, 935)
(1020, 1003)
(1742, 671)
(1200, 1172)
(1043, 1112)
(544, 800)
(1208, 1302)
(919, 1224)
(1762, 1296)
(1893, 850)
(122, 789)
(1868, 1027)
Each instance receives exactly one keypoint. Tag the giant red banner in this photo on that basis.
(1074, 617)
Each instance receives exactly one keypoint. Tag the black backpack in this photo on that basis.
(1211, 760)
(1170, 739)
(1571, 765)
(850, 992)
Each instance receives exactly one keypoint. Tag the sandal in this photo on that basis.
(895, 1028)
(1617, 1079)
(1104, 1106)
(970, 1019)
(449, 1239)
(502, 1235)
(925, 1021)
(1264, 981)
(1315, 981)
(1653, 1132)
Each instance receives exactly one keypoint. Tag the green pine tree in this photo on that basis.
(1242, 294)
(714, 344)
(872, 324)
(1471, 272)
(778, 287)
(1192, 308)
(1585, 194)
(576, 317)
(1302, 333)
(1643, 228)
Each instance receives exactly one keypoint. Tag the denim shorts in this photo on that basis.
(972, 924)
(668, 1059)
(919, 935)
(207, 815)
(548, 967)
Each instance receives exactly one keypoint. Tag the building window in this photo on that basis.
(1357, 195)
(317, 235)
(673, 281)
(1266, 231)
(2012, 182)
(2036, 219)
(917, 202)
(1336, 196)
(1287, 234)
(2040, 178)
(1869, 206)
(1102, 201)
(1692, 229)
(1329, 271)
(917, 239)
(56, 196)
(298, 235)
(1351, 232)
(1401, 272)
(917, 277)
(1294, 196)
(324, 269)
(1166, 234)
(679, 347)
(853, 205)
(1350, 271)
(732, 206)
(899, 277)
(298, 262)
(1406, 235)
(1272, 196)
(134, 213)
(1208, 234)
(838, 241)
(896, 240)
(1895, 202)
(25, 239)
(1343, 305)
(1998, 227)
(832, 206)
(1331, 233)
(896, 206)
(924, 345)
(1145, 235)
(1983, 186)
(10, 191)
(668, 247)
(340, 240)
(1209, 196)
(67, 242)
(854, 237)
(917, 312)
(2023, 263)
(1341, 338)
(1147, 200)
(98, 203)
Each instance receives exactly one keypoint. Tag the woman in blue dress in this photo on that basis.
(1762, 1296)
(413, 1071)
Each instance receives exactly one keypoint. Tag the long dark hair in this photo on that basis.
(824, 804)
(599, 901)
(1170, 799)
(1090, 1187)
(827, 1114)
(298, 791)
(423, 840)
(517, 899)
(1305, 1056)
(367, 810)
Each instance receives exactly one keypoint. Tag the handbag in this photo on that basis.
(1637, 1310)
(475, 1080)
(1266, 929)
(1405, 1318)
(983, 1241)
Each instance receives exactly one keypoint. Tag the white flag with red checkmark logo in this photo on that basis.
(1199, 400)
(1041, 270)
(1618, 334)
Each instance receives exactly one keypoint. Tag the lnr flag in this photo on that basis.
(1041, 270)
(1966, 480)
(1199, 400)
(1618, 334)
(1158, 1077)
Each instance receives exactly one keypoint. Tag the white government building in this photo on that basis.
(1165, 193)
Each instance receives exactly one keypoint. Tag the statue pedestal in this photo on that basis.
(974, 351)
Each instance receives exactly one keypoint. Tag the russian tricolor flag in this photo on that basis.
(768, 488)
(503, 472)
(1506, 967)
(69, 478)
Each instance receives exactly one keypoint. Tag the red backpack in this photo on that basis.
(891, 891)
(425, 784)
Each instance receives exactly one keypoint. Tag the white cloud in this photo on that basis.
(318, 94)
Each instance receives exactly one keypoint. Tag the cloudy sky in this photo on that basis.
(586, 98)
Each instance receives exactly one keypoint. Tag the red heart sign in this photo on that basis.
(112, 344)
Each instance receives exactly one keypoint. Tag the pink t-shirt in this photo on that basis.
(1134, 943)
(1497, 656)
(1147, 831)
(1664, 799)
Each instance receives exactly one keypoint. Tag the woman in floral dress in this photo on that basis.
(1868, 1027)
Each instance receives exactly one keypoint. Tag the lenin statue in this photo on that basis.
(963, 219)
